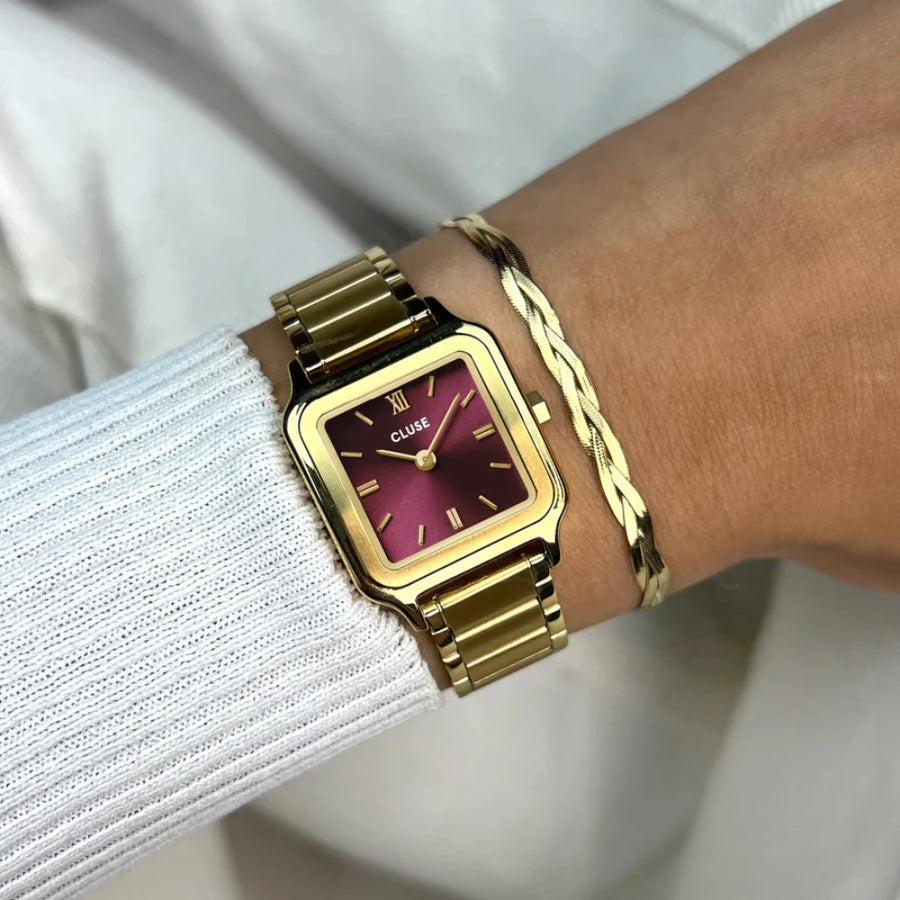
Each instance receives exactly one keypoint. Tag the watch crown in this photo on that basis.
(539, 407)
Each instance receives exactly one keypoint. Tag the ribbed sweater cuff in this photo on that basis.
(175, 634)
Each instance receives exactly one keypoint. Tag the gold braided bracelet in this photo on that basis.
(592, 429)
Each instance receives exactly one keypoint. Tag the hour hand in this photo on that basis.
(395, 455)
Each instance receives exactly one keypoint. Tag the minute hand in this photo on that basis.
(444, 423)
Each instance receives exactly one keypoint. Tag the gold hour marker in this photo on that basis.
(431, 385)
(487, 502)
(368, 488)
(501, 465)
(398, 401)
(351, 454)
(468, 399)
(454, 518)
(421, 535)
(383, 523)
(363, 418)
(484, 432)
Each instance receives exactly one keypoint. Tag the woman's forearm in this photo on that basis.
(721, 268)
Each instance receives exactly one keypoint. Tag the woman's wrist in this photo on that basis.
(604, 270)
(594, 578)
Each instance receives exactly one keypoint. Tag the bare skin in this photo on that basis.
(728, 268)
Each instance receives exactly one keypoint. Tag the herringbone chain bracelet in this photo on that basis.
(592, 429)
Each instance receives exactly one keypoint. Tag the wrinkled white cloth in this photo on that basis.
(164, 166)
(176, 636)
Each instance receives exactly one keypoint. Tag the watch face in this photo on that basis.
(427, 460)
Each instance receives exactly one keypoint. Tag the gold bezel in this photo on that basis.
(401, 585)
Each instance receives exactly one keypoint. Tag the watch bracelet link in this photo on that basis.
(350, 312)
(502, 618)
(497, 622)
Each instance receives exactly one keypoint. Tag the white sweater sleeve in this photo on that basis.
(176, 636)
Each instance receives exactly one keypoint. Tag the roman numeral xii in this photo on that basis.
(398, 402)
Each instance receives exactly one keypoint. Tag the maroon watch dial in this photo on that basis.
(427, 460)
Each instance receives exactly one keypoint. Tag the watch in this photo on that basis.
(427, 464)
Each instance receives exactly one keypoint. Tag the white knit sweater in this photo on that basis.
(175, 634)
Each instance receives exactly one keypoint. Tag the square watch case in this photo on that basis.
(426, 466)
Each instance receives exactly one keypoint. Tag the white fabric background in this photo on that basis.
(163, 165)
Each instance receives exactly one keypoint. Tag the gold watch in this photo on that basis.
(427, 463)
